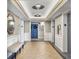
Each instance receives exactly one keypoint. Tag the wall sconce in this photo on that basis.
(42, 23)
(58, 29)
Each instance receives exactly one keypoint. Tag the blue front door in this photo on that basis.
(34, 31)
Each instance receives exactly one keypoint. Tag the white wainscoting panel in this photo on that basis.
(27, 36)
(48, 36)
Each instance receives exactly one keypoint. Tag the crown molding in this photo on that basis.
(21, 8)
(57, 6)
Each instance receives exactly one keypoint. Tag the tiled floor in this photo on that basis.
(38, 50)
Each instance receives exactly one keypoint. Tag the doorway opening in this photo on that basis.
(34, 31)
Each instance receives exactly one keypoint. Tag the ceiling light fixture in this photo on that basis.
(37, 15)
(38, 7)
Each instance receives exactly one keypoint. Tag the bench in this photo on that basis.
(14, 49)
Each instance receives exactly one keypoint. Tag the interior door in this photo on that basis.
(34, 31)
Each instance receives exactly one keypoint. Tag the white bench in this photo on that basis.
(13, 49)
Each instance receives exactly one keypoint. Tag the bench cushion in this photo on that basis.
(15, 47)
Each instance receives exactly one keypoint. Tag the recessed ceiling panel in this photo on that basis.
(28, 7)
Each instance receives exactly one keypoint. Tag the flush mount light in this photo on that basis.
(38, 6)
(37, 15)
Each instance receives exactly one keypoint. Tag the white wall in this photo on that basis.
(19, 37)
(47, 31)
(27, 31)
(13, 38)
(65, 30)
(61, 38)
(21, 31)
(52, 31)
(14, 10)
(40, 32)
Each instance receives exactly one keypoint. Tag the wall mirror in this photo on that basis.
(10, 24)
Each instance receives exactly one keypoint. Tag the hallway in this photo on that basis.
(38, 50)
(45, 26)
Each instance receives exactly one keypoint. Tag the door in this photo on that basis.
(34, 31)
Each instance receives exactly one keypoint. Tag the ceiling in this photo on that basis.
(28, 4)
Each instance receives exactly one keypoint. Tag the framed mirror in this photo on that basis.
(10, 24)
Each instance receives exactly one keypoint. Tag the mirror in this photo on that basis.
(10, 24)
